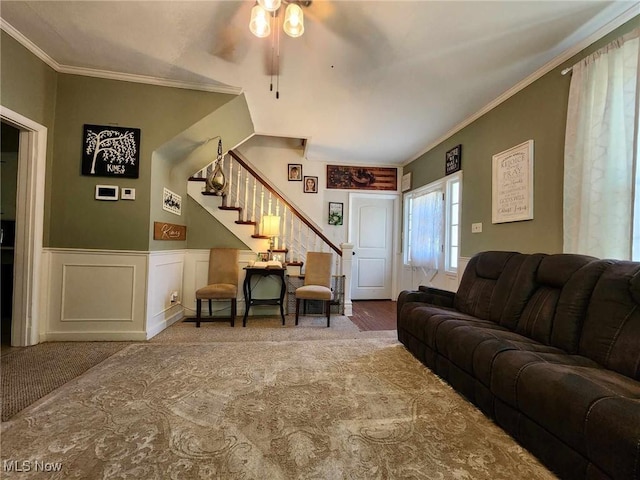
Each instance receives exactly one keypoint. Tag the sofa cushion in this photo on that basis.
(486, 283)
(552, 277)
(563, 399)
(611, 330)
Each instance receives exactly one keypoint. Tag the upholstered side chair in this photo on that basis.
(222, 282)
(317, 282)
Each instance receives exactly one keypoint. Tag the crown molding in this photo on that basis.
(560, 59)
(124, 77)
(28, 44)
(148, 80)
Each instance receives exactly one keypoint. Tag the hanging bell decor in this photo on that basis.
(216, 182)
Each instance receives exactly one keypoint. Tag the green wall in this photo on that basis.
(204, 231)
(77, 219)
(186, 154)
(28, 87)
(537, 112)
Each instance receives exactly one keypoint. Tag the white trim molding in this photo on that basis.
(125, 77)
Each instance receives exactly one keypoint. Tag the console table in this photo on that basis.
(246, 288)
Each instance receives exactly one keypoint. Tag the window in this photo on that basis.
(600, 165)
(432, 225)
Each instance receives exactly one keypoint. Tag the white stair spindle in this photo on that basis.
(253, 203)
(230, 181)
(284, 228)
(238, 187)
(245, 215)
(261, 209)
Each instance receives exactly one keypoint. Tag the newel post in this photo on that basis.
(347, 262)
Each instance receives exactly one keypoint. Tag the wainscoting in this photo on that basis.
(93, 295)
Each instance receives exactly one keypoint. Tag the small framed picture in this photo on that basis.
(310, 184)
(263, 256)
(335, 213)
(295, 172)
(453, 160)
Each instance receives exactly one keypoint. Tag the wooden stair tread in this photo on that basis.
(260, 236)
(242, 222)
(197, 179)
(212, 194)
(237, 209)
(280, 250)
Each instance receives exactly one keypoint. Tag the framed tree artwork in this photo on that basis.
(110, 151)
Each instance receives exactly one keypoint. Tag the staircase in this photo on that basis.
(249, 197)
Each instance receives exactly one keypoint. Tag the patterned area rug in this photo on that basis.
(328, 409)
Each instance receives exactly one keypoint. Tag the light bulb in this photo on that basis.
(259, 23)
(270, 5)
(293, 21)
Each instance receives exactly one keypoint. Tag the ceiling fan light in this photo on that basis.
(259, 23)
(293, 21)
(270, 5)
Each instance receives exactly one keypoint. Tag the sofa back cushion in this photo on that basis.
(611, 330)
(486, 284)
(553, 282)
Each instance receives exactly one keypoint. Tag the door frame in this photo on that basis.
(32, 161)
(395, 237)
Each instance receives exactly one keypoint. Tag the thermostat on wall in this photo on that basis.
(127, 193)
(106, 192)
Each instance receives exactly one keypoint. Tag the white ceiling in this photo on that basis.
(368, 82)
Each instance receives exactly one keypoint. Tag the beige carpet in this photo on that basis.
(327, 409)
(30, 373)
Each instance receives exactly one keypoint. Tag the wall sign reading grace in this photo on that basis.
(110, 151)
(512, 184)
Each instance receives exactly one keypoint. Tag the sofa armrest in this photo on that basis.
(436, 296)
(431, 296)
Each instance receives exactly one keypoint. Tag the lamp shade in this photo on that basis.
(270, 5)
(293, 21)
(271, 225)
(259, 23)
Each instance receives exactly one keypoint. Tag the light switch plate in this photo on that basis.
(128, 193)
(476, 228)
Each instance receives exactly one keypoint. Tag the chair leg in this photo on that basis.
(198, 312)
(210, 311)
(328, 307)
(297, 309)
(233, 312)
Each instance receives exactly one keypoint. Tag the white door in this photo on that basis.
(371, 228)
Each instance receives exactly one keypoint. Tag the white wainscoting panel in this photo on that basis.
(165, 275)
(95, 295)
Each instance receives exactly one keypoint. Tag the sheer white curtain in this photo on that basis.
(601, 150)
(426, 230)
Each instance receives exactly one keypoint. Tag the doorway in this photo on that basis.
(371, 230)
(9, 141)
(29, 205)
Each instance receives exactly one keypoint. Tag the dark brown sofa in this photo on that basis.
(546, 345)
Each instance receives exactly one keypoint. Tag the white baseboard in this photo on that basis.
(154, 330)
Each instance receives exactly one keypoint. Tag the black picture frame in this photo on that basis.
(109, 151)
(336, 213)
(294, 172)
(453, 160)
(310, 185)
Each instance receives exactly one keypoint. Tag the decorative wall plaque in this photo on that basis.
(110, 151)
(453, 160)
(512, 184)
(362, 178)
(169, 231)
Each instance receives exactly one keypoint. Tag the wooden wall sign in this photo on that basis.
(169, 231)
(512, 184)
(362, 178)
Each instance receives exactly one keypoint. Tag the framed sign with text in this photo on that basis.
(110, 151)
(453, 160)
(169, 231)
(512, 184)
